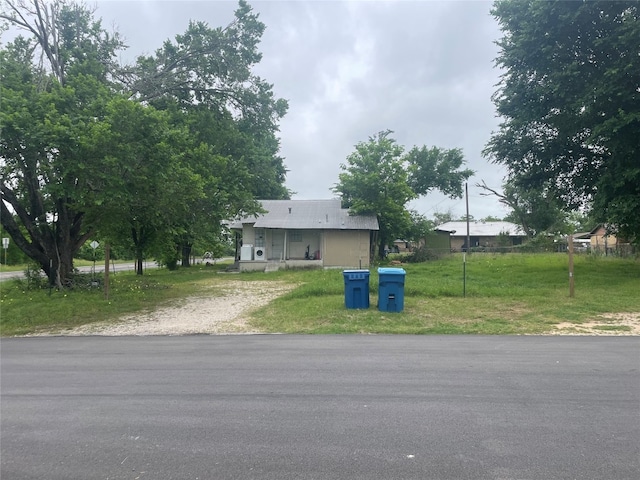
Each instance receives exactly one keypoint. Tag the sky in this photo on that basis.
(350, 69)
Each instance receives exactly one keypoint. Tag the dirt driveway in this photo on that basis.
(224, 312)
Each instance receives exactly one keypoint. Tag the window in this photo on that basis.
(259, 237)
(295, 237)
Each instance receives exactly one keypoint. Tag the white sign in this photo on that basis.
(5, 243)
(94, 244)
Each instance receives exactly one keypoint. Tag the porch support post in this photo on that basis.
(284, 247)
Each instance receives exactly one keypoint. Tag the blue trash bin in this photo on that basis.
(356, 288)
(391, 289)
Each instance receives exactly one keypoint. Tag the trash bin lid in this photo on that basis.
(350, 275)
(391, 271)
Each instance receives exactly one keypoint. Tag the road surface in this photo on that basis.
(320, 407)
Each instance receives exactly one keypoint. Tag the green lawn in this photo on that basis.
(505, 294)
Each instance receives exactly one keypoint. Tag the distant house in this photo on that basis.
(482, 234)
(400, 246)
(603, 242)
(303, 233)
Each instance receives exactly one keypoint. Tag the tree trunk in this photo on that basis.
(51, 245)
(383, 242)
(139, 238)
(139, 260)
(186, 254)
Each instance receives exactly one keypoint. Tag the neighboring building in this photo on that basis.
(437, 241)
(603, 242)
(400, 246)
(303, 233)
(482, 234)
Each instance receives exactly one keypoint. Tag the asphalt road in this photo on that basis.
(320, 407)
(99, 268)
(118, 267)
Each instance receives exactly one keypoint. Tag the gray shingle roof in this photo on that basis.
(308, 215)
(482, 229)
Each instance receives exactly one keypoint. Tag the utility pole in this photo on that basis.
(466, 194)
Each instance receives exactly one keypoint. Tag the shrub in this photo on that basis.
(423, 254)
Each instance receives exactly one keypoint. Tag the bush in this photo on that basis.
(34, 277)
(423, 254)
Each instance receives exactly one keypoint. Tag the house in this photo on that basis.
(303, 233)
(601, 241)
(400, 246)
(482, 234)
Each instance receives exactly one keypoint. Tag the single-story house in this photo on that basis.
(303, 233)
(603, 242)
(482, 234)
(400, 246)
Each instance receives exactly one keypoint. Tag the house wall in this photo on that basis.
(458, 242)
(600, 241)
(440, 241)
(346, 248)
(337, 248)
(297, 241)
(248, 234)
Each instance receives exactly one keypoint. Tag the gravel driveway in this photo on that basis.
(225, 312)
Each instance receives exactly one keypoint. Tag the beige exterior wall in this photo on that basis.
(297, 241)
(601, 241)
(248, 234)
(346, 248)
(336, 248)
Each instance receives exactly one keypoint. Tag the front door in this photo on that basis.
(277, 245)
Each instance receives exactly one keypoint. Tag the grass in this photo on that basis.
(505, 294)
(24, 310)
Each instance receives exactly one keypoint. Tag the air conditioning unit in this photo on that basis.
(246, 252)
(259, 253)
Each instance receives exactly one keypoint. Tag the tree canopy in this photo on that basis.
(154, 155)
(570, 103)
(380, 179)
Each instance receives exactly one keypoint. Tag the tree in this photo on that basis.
(152, 191)
(54, 90)
(379, 179)
(420, 227)
(204, 78)
(570, 102)
(442, 217)
(60, 89)
(536, 211)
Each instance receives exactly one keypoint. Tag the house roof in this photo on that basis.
(307, 215)
(481, 229)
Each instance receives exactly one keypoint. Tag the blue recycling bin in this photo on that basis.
(391, 289)
(356, 288)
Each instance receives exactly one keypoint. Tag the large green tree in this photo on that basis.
(570, 103)
(54, 91)
(536, 211)
(205, 79)
(152, 185)
(380, 178)
(60, 89)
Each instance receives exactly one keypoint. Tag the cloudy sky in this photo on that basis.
(349, 69)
